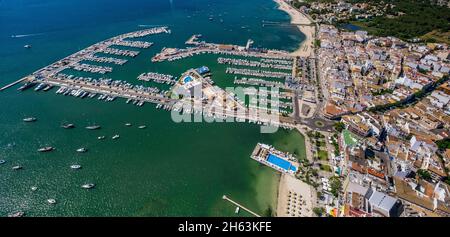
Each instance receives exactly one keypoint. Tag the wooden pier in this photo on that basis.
(240, 206)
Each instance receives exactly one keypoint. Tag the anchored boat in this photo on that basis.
(88, 186)
(17, 214)
(27, 85)
(75, 167)
(30, 119)
(51, 201)
(68, 126)
(46, 149)
(95, 127)
(82, 150)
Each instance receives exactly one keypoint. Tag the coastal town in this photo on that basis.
(374, 111)
(387, 154)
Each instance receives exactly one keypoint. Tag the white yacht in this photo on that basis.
(88, 186)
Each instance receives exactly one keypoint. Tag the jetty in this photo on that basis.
(13, 84)
(157, 77)
(201, 47)
(45, 75)
(240, 206)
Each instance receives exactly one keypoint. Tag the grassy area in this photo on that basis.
(326, 168)
(437, 36)
(323, 155)
(349, 138)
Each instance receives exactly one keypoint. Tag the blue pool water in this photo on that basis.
(286, 165)
(187, 79)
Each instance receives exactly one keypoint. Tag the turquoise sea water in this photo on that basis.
(167, 169)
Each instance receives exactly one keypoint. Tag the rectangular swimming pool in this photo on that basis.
(284, 164)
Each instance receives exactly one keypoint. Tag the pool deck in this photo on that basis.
(262, 153)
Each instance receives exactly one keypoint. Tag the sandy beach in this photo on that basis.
(294, 198)
(306, 47)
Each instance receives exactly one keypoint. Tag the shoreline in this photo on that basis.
(305, 48)
(288, 185)
(295, 198)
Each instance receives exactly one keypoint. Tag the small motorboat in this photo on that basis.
(82, 150)
(101, 138)
(30, 119)
(46, 149)
(95, 127)
(88, 186)
(34, 188)
(75, 167)
(2, 162)
(17, 214)
(142, 127)
(115, 137)
(17, 167)
(27, 46)
(51, 201)
(128, 124)
(68, 126)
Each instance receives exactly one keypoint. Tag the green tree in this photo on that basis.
(339, 126)
(424, 174)
(268, 212)
(318, 211)
(335, 185)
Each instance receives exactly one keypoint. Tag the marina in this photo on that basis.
(120, 52)
(157, 77)
(98, 59)
(91, 68)
(172, 54)
(108, 89)
(134, 44)
(258, 82)
(144, 153)
(250, 63)
(257, 73)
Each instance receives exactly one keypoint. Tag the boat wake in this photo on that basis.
(144, 26)
(23, 36)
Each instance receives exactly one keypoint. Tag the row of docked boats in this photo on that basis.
(44, 87)
(106, 98)
(75, 92)
(39, 87)
(139, 103)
